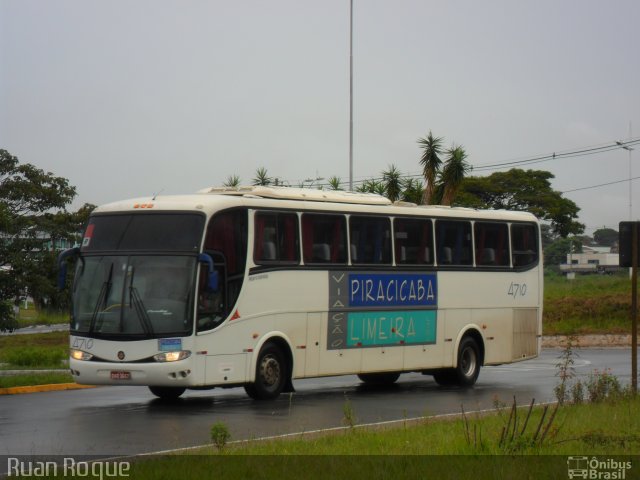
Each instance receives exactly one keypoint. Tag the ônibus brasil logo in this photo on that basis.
(596, 468)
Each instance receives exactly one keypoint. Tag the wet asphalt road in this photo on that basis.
(129, 420)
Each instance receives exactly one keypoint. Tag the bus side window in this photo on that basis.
(324, 238)
(211, 304)
(413, 241)
(276, 238)
(492, 244)
(226, 242)
(370, 240)
(524, 245)
(453, 240)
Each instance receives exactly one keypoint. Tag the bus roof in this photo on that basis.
(308, 194)
(213, 199)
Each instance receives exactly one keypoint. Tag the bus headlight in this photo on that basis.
(80, 355)
(172, 356)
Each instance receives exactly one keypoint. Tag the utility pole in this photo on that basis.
(634, 307)
(629, 234)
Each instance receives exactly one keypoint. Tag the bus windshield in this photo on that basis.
(143, 296)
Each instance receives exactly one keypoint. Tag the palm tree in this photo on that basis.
(431, 163)
(232, 181)
(335, 183)
(455, 169)
(393, 182)
(412, 191)
(372, 186)
(262, 178)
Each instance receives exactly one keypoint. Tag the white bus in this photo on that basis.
(259, 286)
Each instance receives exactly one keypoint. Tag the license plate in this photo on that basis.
(120, 375)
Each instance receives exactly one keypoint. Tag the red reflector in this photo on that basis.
(301, 347)
(235, 316)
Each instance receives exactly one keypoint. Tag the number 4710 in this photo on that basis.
(517, 290)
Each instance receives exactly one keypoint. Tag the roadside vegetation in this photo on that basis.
(589, 304)
(32, 316)
(42, 351)
(490, 444)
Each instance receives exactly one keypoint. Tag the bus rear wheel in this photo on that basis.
(167, 393)
(379, 378)
(467, 370)
(271, 374)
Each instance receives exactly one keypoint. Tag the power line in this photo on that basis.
(615, 145)
(600, 185)
(582, 151)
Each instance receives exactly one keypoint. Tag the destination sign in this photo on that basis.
(391, 290)
(381, 309)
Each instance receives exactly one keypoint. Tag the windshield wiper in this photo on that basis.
(102, 298)
(136, 302)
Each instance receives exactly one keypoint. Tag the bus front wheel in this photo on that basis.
(271, 374)
(167, 393)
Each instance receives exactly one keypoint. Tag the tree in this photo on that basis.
(557, 252)
(41, 271)
(453, 173)
(262, 177)
(335, 183)
(606, 236)
(232, 181)
(372, 186)
(431, 163)
(32, 212)
(412, 191)
(527, 190)
(392, 179)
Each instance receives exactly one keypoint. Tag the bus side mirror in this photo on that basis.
(212, 277)
(62, 264)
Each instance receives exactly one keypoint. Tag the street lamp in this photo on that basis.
(351, 96)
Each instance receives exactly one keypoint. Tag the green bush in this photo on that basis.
(7, 318)
(34, 356)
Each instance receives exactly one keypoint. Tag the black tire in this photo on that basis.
(379, 378)
(167, 393)
(445, 377)
(272, 373)
(469, 362)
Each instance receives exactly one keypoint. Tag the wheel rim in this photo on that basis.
(270, 371)
(468, 362)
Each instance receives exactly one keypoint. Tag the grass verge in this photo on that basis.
(41, 350)
(31, 379)
(478, 441)
(32, 316)
(588, 304)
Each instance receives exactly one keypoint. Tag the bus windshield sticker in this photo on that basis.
(169, 344)
(87, 235)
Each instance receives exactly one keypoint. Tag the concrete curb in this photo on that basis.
(43, 388)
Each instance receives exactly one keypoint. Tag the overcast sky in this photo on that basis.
(130, 98)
